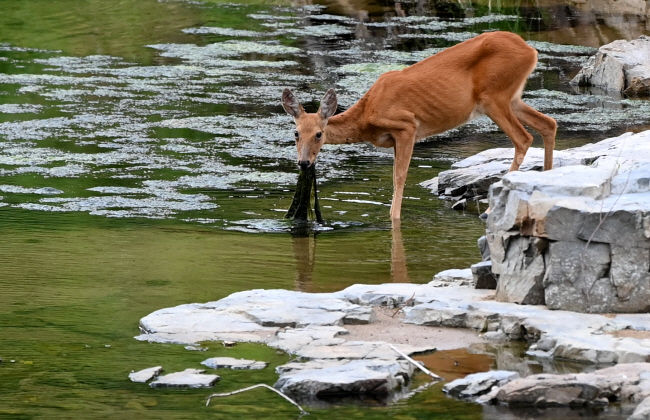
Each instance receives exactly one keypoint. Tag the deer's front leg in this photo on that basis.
(403, 152)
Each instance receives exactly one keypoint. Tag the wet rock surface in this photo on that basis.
(622, 66)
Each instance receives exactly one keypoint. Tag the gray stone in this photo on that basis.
(596, 220)
(495, 336)
(577, 278)
(483, 248)
(621, 65)
(453, 277)
(353, 377)
(232, 363)
(477, 384)
(189, 378)
(522, 272)
(483, 276)
(145, 375)
(625, 382)
(642, 411)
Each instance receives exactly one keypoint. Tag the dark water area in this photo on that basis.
(146, 162)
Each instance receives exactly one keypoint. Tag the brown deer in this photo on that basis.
(481, 76)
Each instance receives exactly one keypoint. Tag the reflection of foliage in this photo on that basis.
(447, 9)
(121, 29)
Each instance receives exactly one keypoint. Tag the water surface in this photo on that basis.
(145, 162)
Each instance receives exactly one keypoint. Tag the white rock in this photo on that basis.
(478, 384)
(353, 377)
(190, 378)
(232, 363)
(145, 375)
(622, 66)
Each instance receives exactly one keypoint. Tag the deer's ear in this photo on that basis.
(328, 104)
(291, 104)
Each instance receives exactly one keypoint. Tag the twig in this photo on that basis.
(456, 362)
(419, 366)
(253, 387)
(405, 304)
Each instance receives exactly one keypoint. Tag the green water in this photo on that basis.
(145, 162)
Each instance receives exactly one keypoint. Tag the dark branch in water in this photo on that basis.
(304, 206)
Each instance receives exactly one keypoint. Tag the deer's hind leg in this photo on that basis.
(543, 124)
(502, 113)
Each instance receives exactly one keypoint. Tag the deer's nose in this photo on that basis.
(304, 164)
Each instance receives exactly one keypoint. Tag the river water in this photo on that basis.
(146, 162)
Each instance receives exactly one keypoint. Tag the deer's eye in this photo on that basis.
(319, 135)
(297, 134)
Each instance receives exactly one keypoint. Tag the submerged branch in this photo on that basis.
(226, 394)
(416, 364)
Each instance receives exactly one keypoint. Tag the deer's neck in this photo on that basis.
(344, 128)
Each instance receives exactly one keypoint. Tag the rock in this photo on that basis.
(190, 378)
(642, 411)
(578, 269)
(196, 348)
(145, 375)
(617, 383)
(472, 177)
(453, 277)
(431, 184)
(483, 248)
(495, 336)
(232, 363)
(352, 377)
(522, 272)
(483, 276)
(553, 334)
(261, 313)
(578, 237)
(622, 66)
(478, 384)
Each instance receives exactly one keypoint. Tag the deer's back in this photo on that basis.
(446, 89)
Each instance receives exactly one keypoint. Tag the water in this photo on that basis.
(146, 162)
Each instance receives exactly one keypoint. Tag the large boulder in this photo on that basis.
(576, 238)
(622, 66)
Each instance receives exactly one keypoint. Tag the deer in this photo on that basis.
(485, 75)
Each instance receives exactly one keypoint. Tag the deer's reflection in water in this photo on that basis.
(304, 249)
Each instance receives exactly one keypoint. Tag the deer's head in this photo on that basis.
(310, 128)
